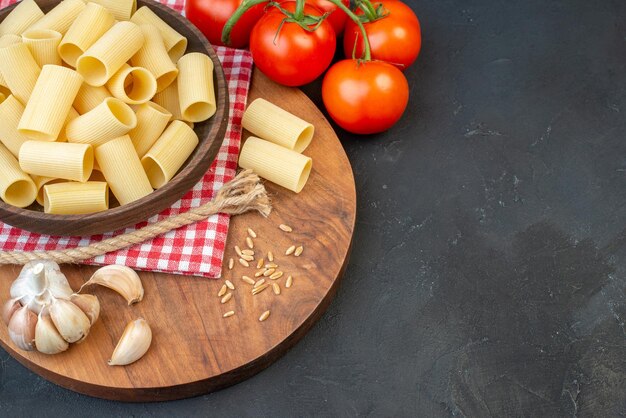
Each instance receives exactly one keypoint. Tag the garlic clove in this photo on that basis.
(48, 340)
(89, 304)
(22, 328)
(37, 282)
(133, 344)
(70, 321)
(9, 308)
(122, 279)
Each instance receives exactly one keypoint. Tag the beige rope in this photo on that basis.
(242, 194)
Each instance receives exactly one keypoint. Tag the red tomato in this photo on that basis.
(210, 16)
(337, 18)
(291, 56)
(395, 38)
(365, 97)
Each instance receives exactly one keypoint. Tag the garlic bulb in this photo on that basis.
(22, 328)
(9, 309)
(133, 344)
(47, 337)
(38, 283)
(89, 304)
(122, 279)
(69, 320)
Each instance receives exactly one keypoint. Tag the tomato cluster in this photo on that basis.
(294, 42)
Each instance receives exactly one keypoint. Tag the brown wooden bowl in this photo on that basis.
(211, 133)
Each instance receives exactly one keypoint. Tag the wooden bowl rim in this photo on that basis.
(216, 133)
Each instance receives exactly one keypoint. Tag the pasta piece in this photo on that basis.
(2, 97)
(16, 187)
(24, 15)
(153, 57)
(93, 22)
(195, 87)
(121, 9)
(168, 99)
(71, 198)
(89, 97)
(122, 169)
(43, 45)
(73, 114)
(169, 153)
(42, 181)
(132, 85)
(57, 159)
(151, 122)
(175, 43)
(276, 125)
(61, 17)
(7, 40)
(105, 57)
(11, 111)
(10, 39)
(277, 164)
(19, 69)
(110, 119)
(50, 103)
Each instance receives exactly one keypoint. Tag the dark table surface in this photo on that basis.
(488, 270)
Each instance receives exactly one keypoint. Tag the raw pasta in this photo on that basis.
(175, 43)
(16, 187)
(93, 22)
(19, 69)
(132, 85)
(109, 53)
(169, 153)
(89, 97)
(61, 17)
(110, 119)
(153, 57)
(151, 122)
(24, 15)
(7, 40)
(2, 97)
(71, 198)
(168, 99)
(195, 87)
(43, 45)
(73, 114)
(50, 102)
(57, 159)
(276, 125)
(11, 111)
(277, 164)
(42, 181)
(122, 169)
(121, 9)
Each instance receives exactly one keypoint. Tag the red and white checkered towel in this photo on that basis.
(197, 249)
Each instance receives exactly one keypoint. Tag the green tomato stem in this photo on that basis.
(367, 53)
(230, 23)
(299, 13)
(368, 9)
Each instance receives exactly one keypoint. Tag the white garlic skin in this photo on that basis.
(121, 279)
(69, 320)
(48, 340)
(9, 308)
(37, 290)
(89, 304)
(133, 344)
(22, 328)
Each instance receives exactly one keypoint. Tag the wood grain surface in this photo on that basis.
(194, 349)
(210, 134)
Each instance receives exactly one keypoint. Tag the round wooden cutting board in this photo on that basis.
(194, 349)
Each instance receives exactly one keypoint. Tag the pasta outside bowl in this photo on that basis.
(210, 134)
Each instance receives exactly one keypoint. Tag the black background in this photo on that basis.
(488, 270)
